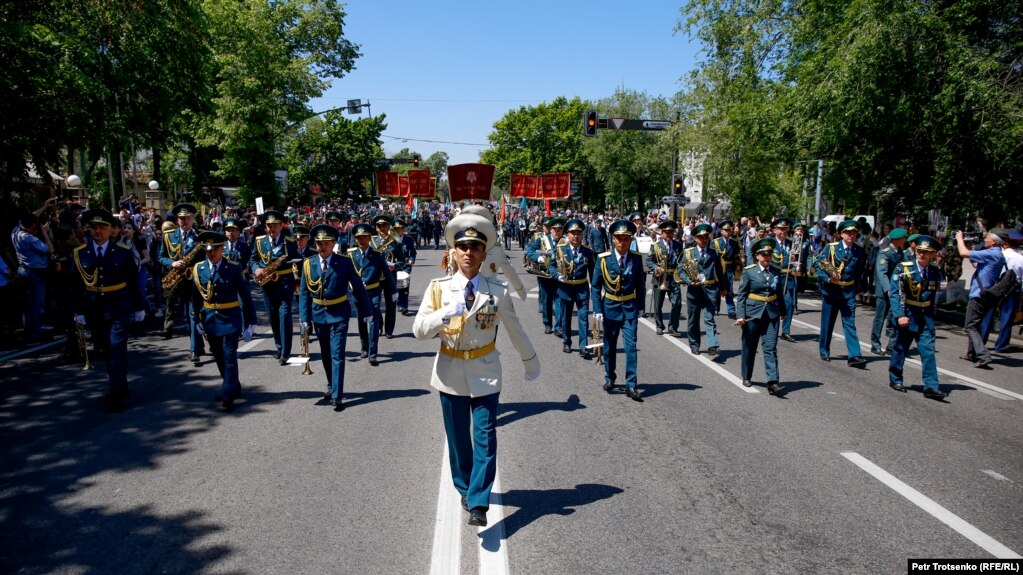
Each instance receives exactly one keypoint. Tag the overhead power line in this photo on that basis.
(433, 141)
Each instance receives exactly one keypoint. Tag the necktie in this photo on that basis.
(99, 253)
(213, 273)
(470, 295)
(621, 263)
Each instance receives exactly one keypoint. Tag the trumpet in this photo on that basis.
(83, 345)
(597, 333)
(305, 352)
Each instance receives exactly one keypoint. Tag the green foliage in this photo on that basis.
(335, 153)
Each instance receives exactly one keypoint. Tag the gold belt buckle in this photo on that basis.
(466, 354)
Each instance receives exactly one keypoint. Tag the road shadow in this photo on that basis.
(512, 412)
(793, 386)
(57, 445)
(396, 356)
(533, 504)
(357, 398)
(652, 389)
(725, 354)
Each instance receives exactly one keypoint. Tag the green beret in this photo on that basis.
(898, 233)
(912, 238)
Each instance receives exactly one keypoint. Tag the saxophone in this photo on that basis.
(175, 275)
(269, 272)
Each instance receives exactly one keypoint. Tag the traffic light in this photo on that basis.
(678, 186)
(415, 160)
(590, 127)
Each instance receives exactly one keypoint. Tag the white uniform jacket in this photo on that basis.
(473, 330)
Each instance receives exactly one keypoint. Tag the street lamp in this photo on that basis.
(154, 197)
(73, 183)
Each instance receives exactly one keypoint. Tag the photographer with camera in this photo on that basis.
(989, 263)
(32, 245)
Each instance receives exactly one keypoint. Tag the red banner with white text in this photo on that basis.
(470, 181)
(555, 186)
(524, 186)
(387, 184)
(419, 184)
(403, 186)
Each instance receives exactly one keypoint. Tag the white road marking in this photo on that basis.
(447, 538)
(26, 351)
(996, 475)
(493, 547)
(702, 359)
(958, 524)
(256, 340)
(916, 363)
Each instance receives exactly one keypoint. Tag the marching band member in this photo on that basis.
(617, 293)
(730, 254)
(540, 251)
(177, 244)
(781, 260)
(758, 310)
(222, 310)
(236, 250)
(573, 286)
(913, 296)
(838, 291)
(327, 281)
(408, 243)
(394, 256)
(104, 297)
(274, 249)
(888, 260)
(372, 269)
(663, 259)
(465, 310)
(703, 290)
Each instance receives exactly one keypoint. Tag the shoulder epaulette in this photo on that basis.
(886, 250)
(260, 237)
(603, 254)
(908, 264)
(833, 244)
(80, 247)
(350, 250)
(635, 252)
(751, 266)
(289, 239)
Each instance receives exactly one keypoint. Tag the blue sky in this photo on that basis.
(446, 71)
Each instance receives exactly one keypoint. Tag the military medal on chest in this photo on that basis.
(486, 315)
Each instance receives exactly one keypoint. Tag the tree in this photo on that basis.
(335, 153)
(271, 59)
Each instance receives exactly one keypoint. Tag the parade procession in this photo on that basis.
(313, 286)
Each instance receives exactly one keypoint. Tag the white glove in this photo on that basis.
(533, 374)
(80, 319)
(199, 327)
(139, 316)
(247, 334)
(394, 298)
(304, 324)
(365, 319)
(453, 309)
(598, 317)
(542, 259)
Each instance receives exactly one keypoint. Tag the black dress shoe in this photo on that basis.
(897, 387)
(373, 361)
(876, 351)
(788, 338)
(585, 354)
(338, 406)
(363, 354)
(283, 360)
(633, 394)
(465, 503)
(166, 334)
(277, 355)
(935, 394)
(856, 362)
(775, 388)
(609, 387)
(328, 396)
(825, 358)
(714, 351)
(888, 351)
(983, 364)
(660, 331)
(566, 348)
(228, 405)
(731, 316)
(747, 383)
(194, 358)
(674, 333)
(547, 331)
(695, 350)
(389, 335)
(557, 333)
(478, 517)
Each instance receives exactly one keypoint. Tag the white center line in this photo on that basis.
(995, 474)
(256, 340)
(721, 371)
(981, 539)
(916, 363)
(493, 547)
(447, 538)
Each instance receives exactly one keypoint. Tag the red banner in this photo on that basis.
(470, 181)
(387, 184)
(524, 186)
(555, 186)
(403, 186)
(433, 187)
(419, 184)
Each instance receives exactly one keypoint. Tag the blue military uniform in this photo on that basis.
(323, 303)
(239, 252)
(408, 244)
(728, 251)
(838, 294)
(573, 288)
(617, 293)
(550, 307)
(106, 293)
(278, 293)
(394, 254)
(664, 255)
(888, 260)
(758, 303)
(177, 245)
(914, 294)
(788, 258)
(702, 297)
(222, 304)
(372, 268)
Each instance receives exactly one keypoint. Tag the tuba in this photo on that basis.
(564, 266)
(175, 275)
(270, 271)
(662, 266)
(690, 268)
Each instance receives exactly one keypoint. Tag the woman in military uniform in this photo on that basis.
(758, 310)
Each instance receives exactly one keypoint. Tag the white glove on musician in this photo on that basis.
(394, 298)
(305, 325)
(139, 316)
(247, 334)
(80, 319)
(598, 317)
(199, 327)
(542, 259)
(453, 309)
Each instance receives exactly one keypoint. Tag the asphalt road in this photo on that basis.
(841, 475)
